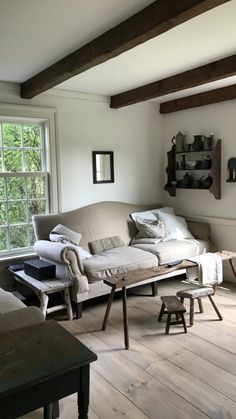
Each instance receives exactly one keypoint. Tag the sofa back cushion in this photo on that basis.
(93, 222)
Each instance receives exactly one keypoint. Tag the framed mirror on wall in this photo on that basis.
(103, 167)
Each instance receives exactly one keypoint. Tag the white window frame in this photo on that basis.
(47, 117)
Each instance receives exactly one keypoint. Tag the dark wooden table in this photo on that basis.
(135, 277)
(39, 365)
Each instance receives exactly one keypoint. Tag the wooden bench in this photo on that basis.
(198, 293)
(172, 305)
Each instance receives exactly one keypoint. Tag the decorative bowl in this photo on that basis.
(191, 164)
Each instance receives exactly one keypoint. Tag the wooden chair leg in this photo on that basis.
(184, 323)
(215, 308)
(200, 305)
(191, 311)
(161, 312)
(168, 323)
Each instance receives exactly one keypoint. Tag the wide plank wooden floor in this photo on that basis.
(175, 376)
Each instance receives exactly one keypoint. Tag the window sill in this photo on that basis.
(22, 256)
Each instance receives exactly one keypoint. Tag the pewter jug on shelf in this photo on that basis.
(179, 142)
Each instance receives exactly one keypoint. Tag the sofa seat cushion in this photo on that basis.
(171, 250)
(117, 261)
(9, 302)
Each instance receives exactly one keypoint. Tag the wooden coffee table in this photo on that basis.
(135, 277)
(41, 364)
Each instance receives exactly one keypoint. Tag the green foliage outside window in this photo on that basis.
(21, 196)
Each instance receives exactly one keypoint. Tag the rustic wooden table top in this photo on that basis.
(46, 285)
(139, 275)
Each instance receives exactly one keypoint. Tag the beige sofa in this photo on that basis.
(103, 220)
(14, 314)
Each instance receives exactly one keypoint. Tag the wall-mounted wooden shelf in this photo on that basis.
(215, 171)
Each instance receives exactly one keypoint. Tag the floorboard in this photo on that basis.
(175, 376)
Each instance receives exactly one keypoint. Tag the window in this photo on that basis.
(24, 174)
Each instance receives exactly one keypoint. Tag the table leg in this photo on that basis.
(68, 303)
(233, 265)
(83, 394)
(47, 412)
(44, 303)
(109, 303)
(125, 317)
(55, 410)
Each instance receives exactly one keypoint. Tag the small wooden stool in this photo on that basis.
(198, 293)
(173, 306)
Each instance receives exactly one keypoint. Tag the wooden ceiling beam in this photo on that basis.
(207, 73)
(201, 99)
(160, 16)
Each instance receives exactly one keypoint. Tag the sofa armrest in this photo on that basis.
(58, 253)
(66, 257)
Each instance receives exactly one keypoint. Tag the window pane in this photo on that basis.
(33, 161)
(32, 238)
(36, 187)
(3, 239)
(3, 212)
(1, 167)
(31, 136)
(2, 188)
(11, 135)
(36, 207)
(13, 160)
(17, 212)
(16, 187)
(18, 237)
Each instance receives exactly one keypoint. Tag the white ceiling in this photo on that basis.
(35, 34)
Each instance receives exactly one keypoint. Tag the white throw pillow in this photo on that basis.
(82, 252)
(150, 228)
(165, 210)
(175, 227)
(143, 215)
(61, 233)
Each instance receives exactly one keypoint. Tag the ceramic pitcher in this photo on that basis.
(179, 142)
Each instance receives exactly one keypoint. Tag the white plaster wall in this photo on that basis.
(221, 214)
(86, 123)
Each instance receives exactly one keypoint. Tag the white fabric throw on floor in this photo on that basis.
(208, 270)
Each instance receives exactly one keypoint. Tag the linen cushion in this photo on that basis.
(150, 214)
(175, 227)
(116, 261)
(150, 228)
(60, 233)
(98, 246)
(171, 250)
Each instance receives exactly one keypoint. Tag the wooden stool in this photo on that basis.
(173, 306)
(198, 293)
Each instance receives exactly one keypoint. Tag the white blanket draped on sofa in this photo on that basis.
(208, 270)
